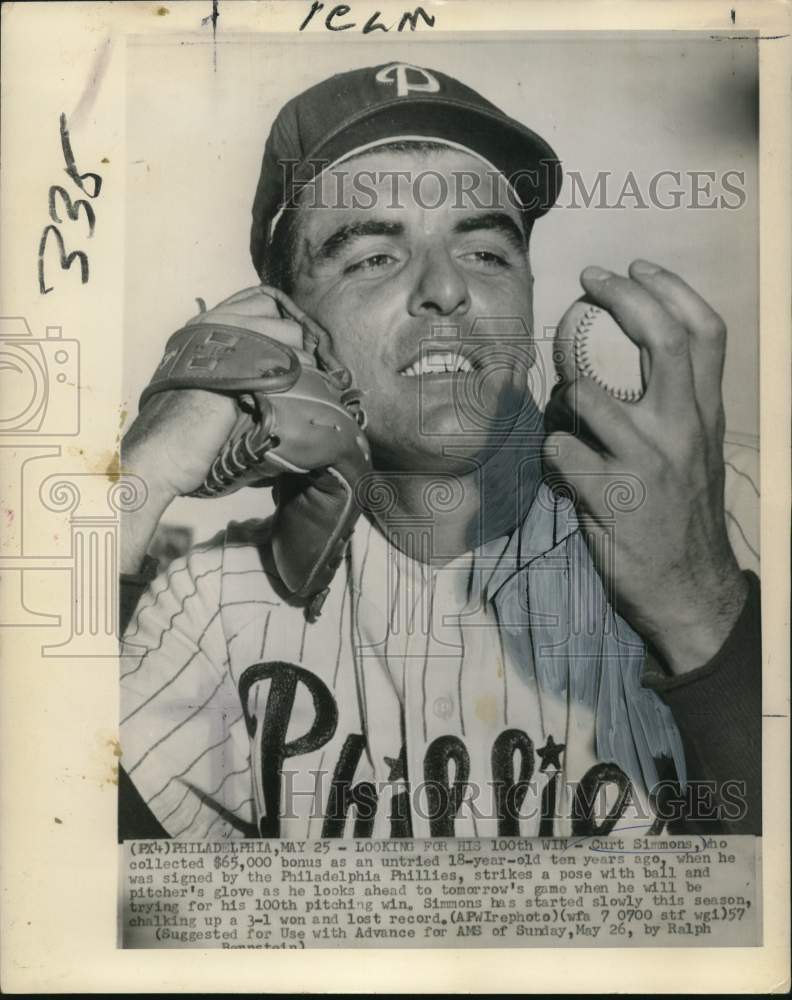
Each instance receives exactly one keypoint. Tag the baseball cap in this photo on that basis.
(353, 111)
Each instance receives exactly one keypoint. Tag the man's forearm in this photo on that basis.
(718, 709)
(138, 527)
(137, 530)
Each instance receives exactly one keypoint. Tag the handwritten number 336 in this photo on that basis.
(60, 201)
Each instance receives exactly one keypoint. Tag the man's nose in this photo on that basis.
(439, 286)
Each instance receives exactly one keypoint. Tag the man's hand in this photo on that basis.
(672, 573)
(178, 434)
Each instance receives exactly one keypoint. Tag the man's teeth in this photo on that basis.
(437, 363)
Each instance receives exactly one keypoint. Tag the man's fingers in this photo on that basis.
(315, 338)
(706, 329)
(568, 459)
(566, 454)
(302, 332)
(586, 410)
(247, 307)
(564, 344)
(246, 294)
(269, 311)
(652, 327)
(285, 331)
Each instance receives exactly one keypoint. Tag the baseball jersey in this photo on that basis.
(498, 694)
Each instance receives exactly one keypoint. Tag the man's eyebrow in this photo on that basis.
(337, 240)
(498, 221)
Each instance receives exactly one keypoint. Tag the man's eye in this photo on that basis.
(487, 259)
(372, 263)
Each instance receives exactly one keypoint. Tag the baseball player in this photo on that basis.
(465, 617)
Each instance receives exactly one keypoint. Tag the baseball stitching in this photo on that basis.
(583, 361)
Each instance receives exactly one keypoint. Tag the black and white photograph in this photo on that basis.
(483, 590)
(424, 560)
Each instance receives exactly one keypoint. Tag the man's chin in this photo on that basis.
(454, 436)
(441, 453)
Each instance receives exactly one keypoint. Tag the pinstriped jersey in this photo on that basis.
(498, 694)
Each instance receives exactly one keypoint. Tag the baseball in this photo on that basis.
(605, 353)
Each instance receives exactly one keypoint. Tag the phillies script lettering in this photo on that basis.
(446, 769)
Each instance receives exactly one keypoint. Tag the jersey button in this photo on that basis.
(443, 707)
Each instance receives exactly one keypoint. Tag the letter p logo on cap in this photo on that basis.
(399, 73)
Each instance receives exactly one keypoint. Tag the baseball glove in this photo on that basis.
(299, 429)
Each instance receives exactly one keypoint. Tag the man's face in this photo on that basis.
(426, 291)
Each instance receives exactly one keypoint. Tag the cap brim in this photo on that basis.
(523, 157)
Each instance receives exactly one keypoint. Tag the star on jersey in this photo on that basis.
(551, 754)
(398, 767)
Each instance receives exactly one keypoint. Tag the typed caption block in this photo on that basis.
(609, 892)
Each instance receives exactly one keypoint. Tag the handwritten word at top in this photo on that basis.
(337, 19)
